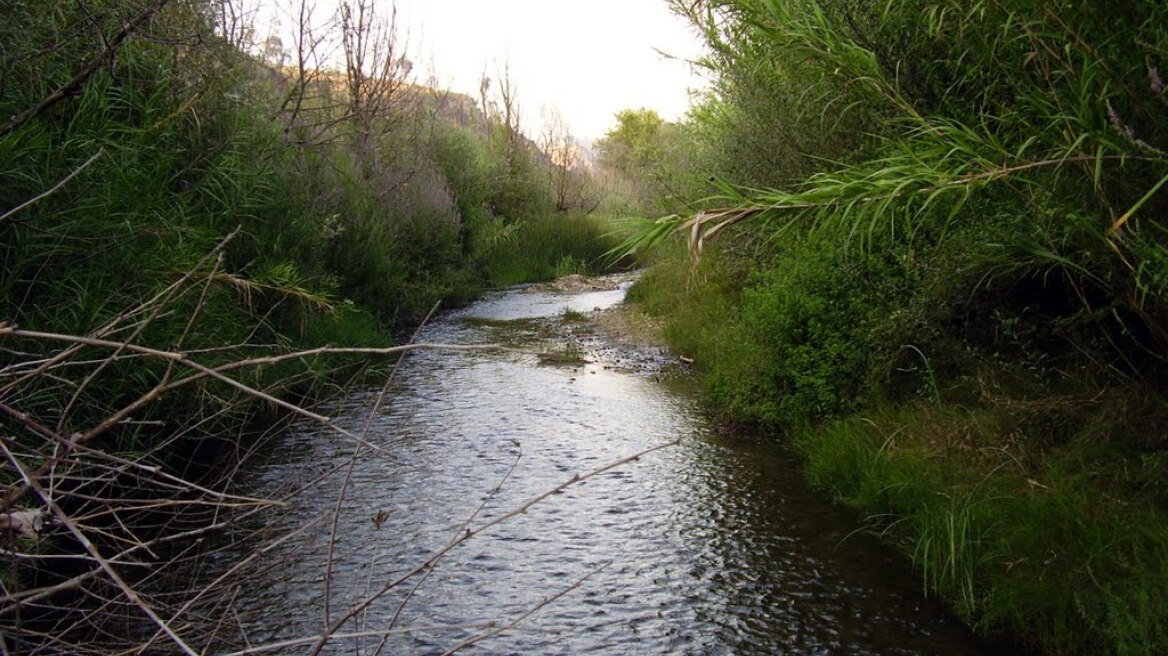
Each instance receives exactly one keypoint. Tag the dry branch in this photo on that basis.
(104, 57)
(469, 533)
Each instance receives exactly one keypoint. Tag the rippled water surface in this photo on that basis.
(712, 546)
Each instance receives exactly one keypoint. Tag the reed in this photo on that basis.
(931, 257)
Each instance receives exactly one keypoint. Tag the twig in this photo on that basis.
(461, 530)
(333, 529)
(253, 555)
(81, 78)
(469, 533)
(52, 190)
(129, 592)
(109, 326)
(531, 611)
(215, 373)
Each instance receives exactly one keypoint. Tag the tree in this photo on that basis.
(652, 157)
(518, 192)
(634, 145)
(570, 180)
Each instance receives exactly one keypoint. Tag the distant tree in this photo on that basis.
(634, 145)
(376, 72)
(274, 53)
(571, 182)
(650, 157)
(518, 191)
(306, 107)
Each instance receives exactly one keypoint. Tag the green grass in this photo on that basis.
(573, 316)
(1030, 500)
(551, 246)
(1021, 542)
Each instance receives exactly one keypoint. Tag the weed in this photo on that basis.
(572, 316)
(570, 355)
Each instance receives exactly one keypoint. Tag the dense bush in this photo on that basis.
(811, 315)
(933, 258)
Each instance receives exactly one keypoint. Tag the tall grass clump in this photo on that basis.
(1019, 551)
(550, 246)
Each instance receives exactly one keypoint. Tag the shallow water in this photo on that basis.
(711, 546)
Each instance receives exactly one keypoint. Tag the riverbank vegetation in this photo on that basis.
(200, 234)
(930, 254)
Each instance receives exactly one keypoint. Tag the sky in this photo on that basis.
(587, 59)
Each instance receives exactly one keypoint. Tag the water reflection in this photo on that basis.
(710, 547)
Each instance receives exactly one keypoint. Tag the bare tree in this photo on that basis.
(305, 88)
(509, 112)
(234, 21)
(485, 103)
(501, 110)
(376, 70)
(571, 181)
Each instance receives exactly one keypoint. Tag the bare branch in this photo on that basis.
(79, 80)
(471, 532)
(52, 190)
(66, 521)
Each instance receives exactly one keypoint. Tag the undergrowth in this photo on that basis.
(930, 256)
(1061, 548)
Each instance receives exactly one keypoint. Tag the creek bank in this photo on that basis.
(1037, 512)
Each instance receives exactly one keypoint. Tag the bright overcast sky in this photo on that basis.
(588, 59)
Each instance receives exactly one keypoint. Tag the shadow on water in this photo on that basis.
(713, 546)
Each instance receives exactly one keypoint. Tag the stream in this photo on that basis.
(713, 545)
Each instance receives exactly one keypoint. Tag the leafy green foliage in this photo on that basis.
(346, 236)
(649, 162)
(549, 247)
(634, 143)
(812, 315)
(934, 256)
(185, 235)
(1069, 136)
